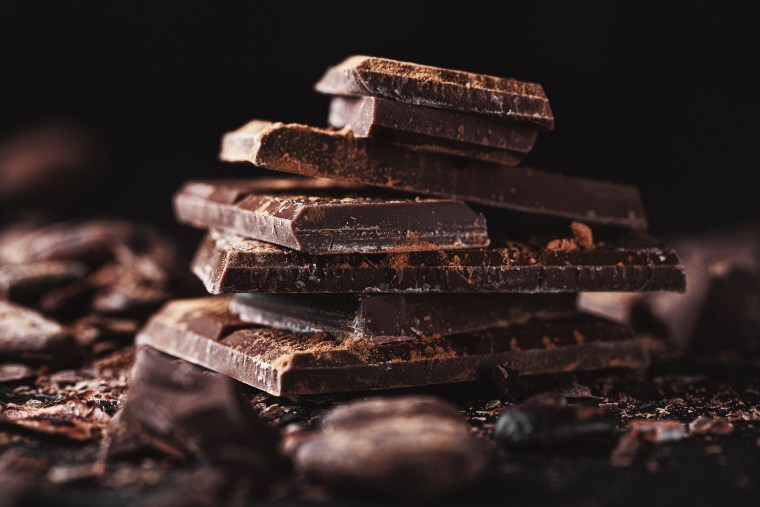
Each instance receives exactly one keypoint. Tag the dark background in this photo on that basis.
(660, 97)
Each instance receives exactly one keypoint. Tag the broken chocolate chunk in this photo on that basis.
(176, 409)
(281, 362)
(75, 419)
(230, 264)
(437, 87)
(311, 151)
(330, 224)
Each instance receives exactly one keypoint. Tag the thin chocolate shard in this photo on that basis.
(285, 363)
(412, 447)
(633, 262)
(329, 224)
(382, 318)
(310, 151)
(436, 87)
(436, 130)
(27, 336)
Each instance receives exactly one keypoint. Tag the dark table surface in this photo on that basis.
(698, 470)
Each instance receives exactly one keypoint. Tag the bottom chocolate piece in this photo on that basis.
(382, 318)
(204, 332)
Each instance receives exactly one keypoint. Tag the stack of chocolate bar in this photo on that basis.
(374, 270)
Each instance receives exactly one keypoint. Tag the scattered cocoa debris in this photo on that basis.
(582, 239)
(12, 372)
(74, 419)
(704, 425)
(550, 423)
(582, 235)
(94, 281)
(564, 244)
(409, 447)
(176, 409)
(641, 435)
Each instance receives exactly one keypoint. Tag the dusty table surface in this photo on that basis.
(45, 469)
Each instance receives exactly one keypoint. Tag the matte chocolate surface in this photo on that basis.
(284, 363)
(391, 317)
(230, 264)
(311, 151)
(436, 130)
(328, 224)
(436, 87)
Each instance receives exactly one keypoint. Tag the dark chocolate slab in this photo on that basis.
(436, 130)
(382, 318)
(329, 224)
(436, 87)
(285, 363)
(311, 151)
(230, 264)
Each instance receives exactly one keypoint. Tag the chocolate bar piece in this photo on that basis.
(381, 318)
(328, 224)
(230, 264)
(436, 87)
(436, 130)
(286, 363)
(311, 151)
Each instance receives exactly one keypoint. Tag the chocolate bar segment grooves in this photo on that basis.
(331, 224)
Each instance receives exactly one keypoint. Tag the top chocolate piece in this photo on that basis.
(436, 87)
